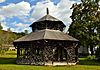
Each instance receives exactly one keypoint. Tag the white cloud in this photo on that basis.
(19, 9)
(22, 25)
(61, 11)
(2, 18)
(18, 29)
(2, 1)
(4, 25)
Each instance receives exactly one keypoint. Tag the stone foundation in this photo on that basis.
(59, 64)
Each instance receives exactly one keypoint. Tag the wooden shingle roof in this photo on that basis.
(46, 34)
(48, 17)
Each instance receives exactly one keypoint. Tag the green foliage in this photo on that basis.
(91, 57)
(97, 52)
(8, 37)
(86, 23)
(26, 32)
(1, 27)
(3, 50)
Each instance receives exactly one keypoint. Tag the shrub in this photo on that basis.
(3, 50)
(91, 57)
(97, 52)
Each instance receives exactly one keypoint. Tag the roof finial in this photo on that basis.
(47, 11)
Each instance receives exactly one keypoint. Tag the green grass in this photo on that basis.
(85, 61)
(29, 67)
(7, 62)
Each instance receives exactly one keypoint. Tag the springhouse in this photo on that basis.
(47, 44)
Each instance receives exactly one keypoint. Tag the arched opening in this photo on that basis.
(60, 54)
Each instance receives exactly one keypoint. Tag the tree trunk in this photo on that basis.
(91, 49)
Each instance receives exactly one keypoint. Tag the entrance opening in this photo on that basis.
(60, 54)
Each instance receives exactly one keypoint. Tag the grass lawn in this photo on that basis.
(7, 62)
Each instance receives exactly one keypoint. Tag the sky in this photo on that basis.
(18, 15)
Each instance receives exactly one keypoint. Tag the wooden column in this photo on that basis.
(18, 52)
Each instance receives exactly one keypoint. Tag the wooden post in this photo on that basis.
(18, 52)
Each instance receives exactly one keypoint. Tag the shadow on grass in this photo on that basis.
(7, 60)
(89, 62)
(82, 61)
(11, 53)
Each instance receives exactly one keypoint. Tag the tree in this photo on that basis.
(1, 27)
(9, 30)
(26, 32)
(85, 20)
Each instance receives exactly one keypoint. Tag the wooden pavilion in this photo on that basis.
(47, 44)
